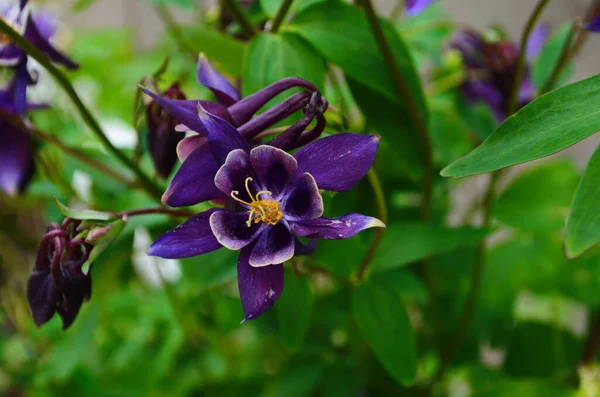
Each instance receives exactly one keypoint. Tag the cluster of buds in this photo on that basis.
(60, 282)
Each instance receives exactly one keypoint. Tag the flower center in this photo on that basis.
(264, 210)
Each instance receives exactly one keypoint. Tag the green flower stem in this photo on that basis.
(477, 269)
(242, 18)
(531, 23)
(281, 13)
(563, 60)
(413, 111)
(148, 185)
(18, 123)
(382, 214)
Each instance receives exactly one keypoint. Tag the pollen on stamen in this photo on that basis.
(261, 210)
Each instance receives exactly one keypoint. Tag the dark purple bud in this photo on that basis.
(162, 136)
(288, 139)
(57, 283)
(244, 109)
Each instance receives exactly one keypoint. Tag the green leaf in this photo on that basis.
(529, 388)
(293, 310)
(549, 57)
(185, 4)
(449, 134)
(387, 119)
(547, 125)
(83, 214)
(81, 5)
(382, 317)
(341, 33)
(224, 52)
(271, 57)
(538, 199)
(583, 224)
(407, 243)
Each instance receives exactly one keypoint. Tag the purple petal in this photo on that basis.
(470, 45)
(274, 169)
(194, 182)
(10, 54)
(593, 25)
(335, 228)
(303, 201)
(222, 136)
(243, 110)
(231, 229)
(45, 24)
(232, 176)
(538, 38)
(42, 296)
(337, 162)
(415, 7)
(76, 290)
(191, 238)
(36, 37)
(16, 159)
(187, 145)
(259, 287)
(275, 244)
(213, 80)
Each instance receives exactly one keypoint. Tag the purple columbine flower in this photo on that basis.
(57, 283)
(415, 7)
(491, 69)
(16, 150)
(273, 198)
(37, 28)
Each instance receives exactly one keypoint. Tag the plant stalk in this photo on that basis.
(241, 17)
(531, 23)
(280, 16)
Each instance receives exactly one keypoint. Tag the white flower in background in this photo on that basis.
(82, 184)
(153, 271)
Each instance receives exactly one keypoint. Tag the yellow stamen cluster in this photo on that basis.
(267, 211)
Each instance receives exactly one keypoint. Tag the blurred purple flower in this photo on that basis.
(491, 69)
(415, 7)
(16, 150)
(273, 197)
(37, 28)
(593, 25)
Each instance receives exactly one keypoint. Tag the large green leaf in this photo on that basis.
(220, 49)
(407, 243)
(549, 56)
(293, 310)
(83, 214)
(271, 57)
(539, 198)
(381, 315)
(583, 225)
(341, 33)
(548, 125)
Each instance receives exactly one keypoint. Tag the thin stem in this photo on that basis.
(382, 214)
(174, 30)
(533, 20)
(158, 210)
(242, 18)
(281, 13)
(408, 101)
(477, 269)
(76, 154)
(592, 342)
(86, 115)
(571, 47)
(563, 60)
